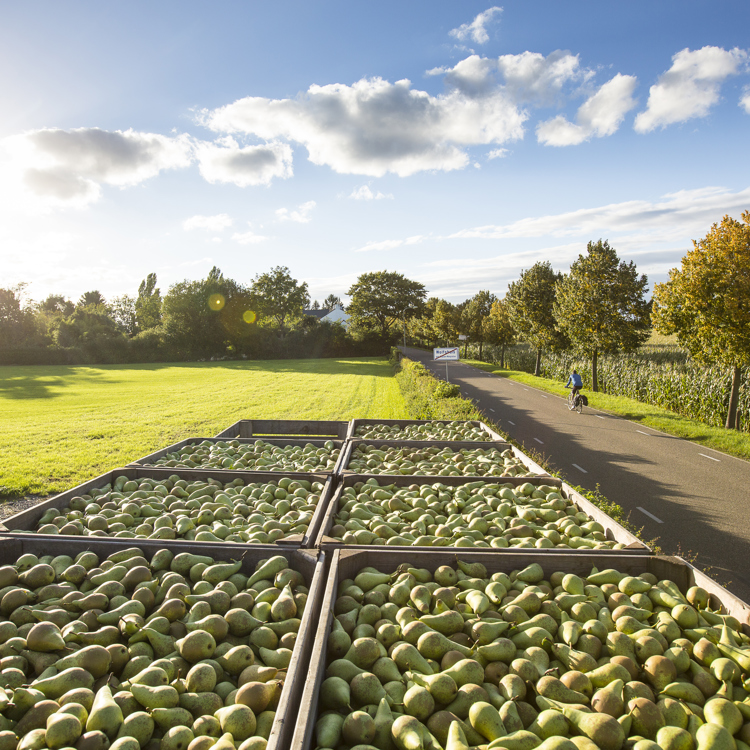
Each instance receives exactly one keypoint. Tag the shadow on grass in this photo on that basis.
(46, 382)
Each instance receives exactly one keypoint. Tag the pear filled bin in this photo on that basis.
(426, 649)
(472, 513)
(236, 507)
(153, 646)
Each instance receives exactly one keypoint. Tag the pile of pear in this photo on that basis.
(436, 461)
(197, 510)
(176, 653)
(477, 514)
(256, 456)
(460, 658)
(432, 430)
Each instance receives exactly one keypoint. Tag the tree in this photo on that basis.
(501, 331)
(89, 325)
(148, 304)
(16, 318)
(280, 297)
(315, 305)
(56, 304)
(705, 302)
(124, 311)
(529, 302)
(600, 305)
(91, 298)
(204, 318)
(383, 299)
(475, 319)
(332, 301)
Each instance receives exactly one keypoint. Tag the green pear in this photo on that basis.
(159, 696)
(237, 720)
(485, 718)
(63, 730)
(550, 723)
(138, 725)
(201, 704)
(105, 715)
(609, 699)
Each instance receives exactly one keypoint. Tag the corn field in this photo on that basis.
(659, 375)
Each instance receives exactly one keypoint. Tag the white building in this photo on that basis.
(335, 315)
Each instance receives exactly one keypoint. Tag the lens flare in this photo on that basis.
(249, 316)
(216, 301)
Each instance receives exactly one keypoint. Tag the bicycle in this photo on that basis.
(575, 403)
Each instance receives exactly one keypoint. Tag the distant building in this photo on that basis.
(335, 314)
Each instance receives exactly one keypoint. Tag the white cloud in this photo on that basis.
(248, 238)
(530, 76)
(523, 78)
(674, 216)
(215, 223)
(68, 167)
(391, 244)
(497, 153)
(226, 161)
(476, 30)
(374, 126)
(690, 87)
(745, 99)
(364, 193)
(600, 115)
(301, 215)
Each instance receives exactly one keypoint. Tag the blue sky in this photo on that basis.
(455, 142)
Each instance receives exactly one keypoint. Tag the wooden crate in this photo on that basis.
(26, 520)
(281, 441)
(612, 529)
(310, 563)
(247, 428)
(454, 446)
(345, 563)
(406, 422)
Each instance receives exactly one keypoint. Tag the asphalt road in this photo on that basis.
(692, 500)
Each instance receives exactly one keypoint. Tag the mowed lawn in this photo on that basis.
(62, 425)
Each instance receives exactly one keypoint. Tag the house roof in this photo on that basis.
(317, 313)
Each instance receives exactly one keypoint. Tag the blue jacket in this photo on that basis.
(575, 378)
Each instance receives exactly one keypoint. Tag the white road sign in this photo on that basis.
(445, 353)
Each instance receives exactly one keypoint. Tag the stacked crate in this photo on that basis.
(117, 498)
(325, 548)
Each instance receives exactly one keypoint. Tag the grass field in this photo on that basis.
(62, 425)
(728, 441)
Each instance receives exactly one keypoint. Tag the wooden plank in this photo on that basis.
(247, 428)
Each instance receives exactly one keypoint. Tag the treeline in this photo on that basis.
(599, 308)
(212, 318)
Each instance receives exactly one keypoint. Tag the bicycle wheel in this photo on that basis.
(579, 405)
(571, 403)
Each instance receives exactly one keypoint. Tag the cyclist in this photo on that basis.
(577, 383)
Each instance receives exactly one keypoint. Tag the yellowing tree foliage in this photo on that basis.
(706, 302)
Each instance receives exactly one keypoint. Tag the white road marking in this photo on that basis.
(711, 457)
(513, 423)
(580, 469)
(492, 410)
(599, 416)
(650, 515)
(526, 389)
(543, 396)
(539, 441)
(642, 432)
